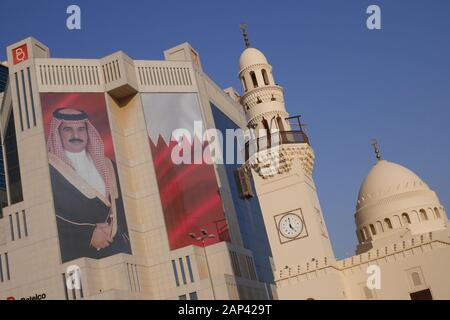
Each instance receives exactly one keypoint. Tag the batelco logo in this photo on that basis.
(41, 296)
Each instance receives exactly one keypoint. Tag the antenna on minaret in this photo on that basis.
(243, 27)
(376, 148)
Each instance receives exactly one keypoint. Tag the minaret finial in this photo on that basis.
(243, 27)
(376, 148)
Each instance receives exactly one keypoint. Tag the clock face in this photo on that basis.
(290, 226)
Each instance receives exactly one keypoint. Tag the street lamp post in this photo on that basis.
(202, 238)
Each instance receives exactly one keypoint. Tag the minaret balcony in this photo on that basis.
(274, 140)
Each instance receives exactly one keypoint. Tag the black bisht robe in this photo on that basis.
(78, 214)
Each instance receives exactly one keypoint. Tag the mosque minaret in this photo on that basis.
(281, 168)
(401, 226)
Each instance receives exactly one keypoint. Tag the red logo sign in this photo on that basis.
(20, 54)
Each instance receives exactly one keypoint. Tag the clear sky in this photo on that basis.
(350, 84)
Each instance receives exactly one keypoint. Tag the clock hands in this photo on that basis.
(290, 225)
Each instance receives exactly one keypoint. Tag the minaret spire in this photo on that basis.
(243, 27)
(376, 148)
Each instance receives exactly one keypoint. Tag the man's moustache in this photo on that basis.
(75, 140)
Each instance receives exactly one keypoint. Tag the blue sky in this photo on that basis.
(350, 84)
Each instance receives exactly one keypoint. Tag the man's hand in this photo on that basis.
(101, 237)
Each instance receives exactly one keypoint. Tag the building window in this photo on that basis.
(8, 275)
(11, 227)
(243, 183)
(251, 268)
(3, 194)
(244, 84)
(372, 229)
(12, 163)
(254, 81)
(193, 296)
(235, 264)
(183, 274)
(24, 216)
(280, 124)
(175, 273)
(437, 213)
(66, 291)
(1, 270)
(19, 234)
(265, 78)
(423, 215)
(188, 262)
(415, 277)
(379, 226)
(405, 218)
(388, 223)
(363, 237)
(182, 297)
(366, 233)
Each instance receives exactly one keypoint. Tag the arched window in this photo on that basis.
(366, 233)
(244, 84)
(265, 78)
(255, 82)
(280, 124)
(388, 223)
(372, 229)
(437, 213)
(405, 218)
(416, 279)
(423, 215)
(379, 226)
(267, 133)
(363, 237)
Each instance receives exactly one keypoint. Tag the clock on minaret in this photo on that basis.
(282, 173)
(291, 225)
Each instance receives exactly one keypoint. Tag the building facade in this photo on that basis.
(97, 209)
(113, 190)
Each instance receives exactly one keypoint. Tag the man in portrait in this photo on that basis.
(88, 203)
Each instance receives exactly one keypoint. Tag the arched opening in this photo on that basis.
(405, 218)
(366, 233)
(253, 76)
(265, 78)
(362, 236)
(396, 223)
(244, 84)
(430, 213)
(416, 279)
(414, 216)
(388, 223)
(280, 124)
(423, 215)
(437, 213)
(267, 131)
(379, 226)
(372, 230)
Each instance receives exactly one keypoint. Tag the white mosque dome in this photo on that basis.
(393, 200)
(251, 56)
(387, 179)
